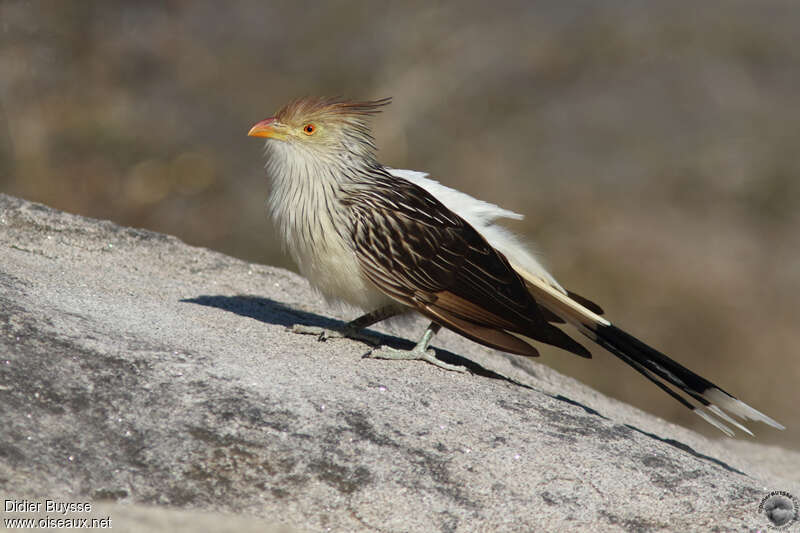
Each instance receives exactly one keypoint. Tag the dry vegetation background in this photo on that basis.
(653, 146)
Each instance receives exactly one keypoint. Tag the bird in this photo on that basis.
(391, 241)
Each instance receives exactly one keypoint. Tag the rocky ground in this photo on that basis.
(159, 382)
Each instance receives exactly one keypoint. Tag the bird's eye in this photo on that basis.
(309, 129)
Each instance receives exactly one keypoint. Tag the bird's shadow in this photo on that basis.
(271, 311)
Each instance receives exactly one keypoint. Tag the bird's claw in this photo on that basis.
(323, 334)
(414, 354)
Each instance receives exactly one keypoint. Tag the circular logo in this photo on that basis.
(780, 508)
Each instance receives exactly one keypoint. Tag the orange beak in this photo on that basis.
(265, 128)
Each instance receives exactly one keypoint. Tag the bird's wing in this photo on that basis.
(422, 254)
(476, 212)
(482, 215)
(574, 309)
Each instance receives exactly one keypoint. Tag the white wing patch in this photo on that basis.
(476, 212)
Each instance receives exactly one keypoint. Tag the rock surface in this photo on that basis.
(138, 369)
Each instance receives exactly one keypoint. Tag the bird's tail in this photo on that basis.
(709, 401)
(663, 371)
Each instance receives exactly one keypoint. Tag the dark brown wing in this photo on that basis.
(587, 303)
(422, 254)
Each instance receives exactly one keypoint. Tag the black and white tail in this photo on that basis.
(662, 370)
(709, 401)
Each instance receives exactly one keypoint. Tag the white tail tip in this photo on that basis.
(738, 408)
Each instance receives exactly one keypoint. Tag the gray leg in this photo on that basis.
(353, 329)
(420, 351)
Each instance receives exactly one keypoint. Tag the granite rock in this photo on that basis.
(138, 371)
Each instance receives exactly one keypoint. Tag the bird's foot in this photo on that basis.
(324, 334)
(417, 353)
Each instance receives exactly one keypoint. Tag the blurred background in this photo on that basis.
(654, 147)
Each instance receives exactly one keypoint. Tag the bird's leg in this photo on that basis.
(353, 329)
(420, 351)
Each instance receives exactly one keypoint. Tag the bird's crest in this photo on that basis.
(331, 107)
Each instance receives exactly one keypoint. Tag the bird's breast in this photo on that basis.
(316, 230)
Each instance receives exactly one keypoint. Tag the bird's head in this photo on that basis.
(321, 128)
